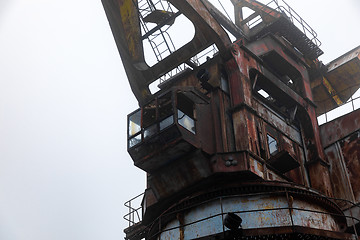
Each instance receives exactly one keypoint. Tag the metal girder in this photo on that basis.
(267, 14)
(124, 20)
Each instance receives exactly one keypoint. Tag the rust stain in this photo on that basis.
(180, 217)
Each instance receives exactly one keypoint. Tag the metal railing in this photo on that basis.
(289, 209)
(347, 107)
(298, 21)
(135, 213)
(284, 8)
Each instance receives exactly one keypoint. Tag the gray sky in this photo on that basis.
(64, 97)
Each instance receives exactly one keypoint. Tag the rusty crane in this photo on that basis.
(229, 137)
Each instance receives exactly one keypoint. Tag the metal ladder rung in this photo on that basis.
(164, 51)
(145, 3)
(155, 37)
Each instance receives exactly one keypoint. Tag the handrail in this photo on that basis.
(133, 216)
(294, 17)
(306, 27)
(348, 102)
(290, 208)
(132, 211)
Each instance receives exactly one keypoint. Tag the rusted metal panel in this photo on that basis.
(339, 174)
(240, 128)
(235, 83)
(179, 175)
(256, 212)
(351, 151)
(339, 128)
(272, 176)
(219, 142)
(277, 121)
(297, 175)
(320, 177)
(341, 139)
(314, 216)
(252, 134)
(256, 167)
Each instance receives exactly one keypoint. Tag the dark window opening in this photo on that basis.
(273, 96)
(286, 72)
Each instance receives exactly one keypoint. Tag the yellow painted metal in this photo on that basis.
(340, 82)
(331, 91)
(130, 21)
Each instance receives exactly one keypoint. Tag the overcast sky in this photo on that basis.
(64, 97)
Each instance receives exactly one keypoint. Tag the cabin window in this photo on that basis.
(134, 140)
(135, 123)
(272, 144)
(166, 122)
(186, 113)
(150, 131)
(273, 96)
(150, 119)
(160, 114)
(285, 71)
(166, 111)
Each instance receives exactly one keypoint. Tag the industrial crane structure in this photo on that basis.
(227, 129)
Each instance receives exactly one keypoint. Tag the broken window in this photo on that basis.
(274, 96)
(285, 71)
